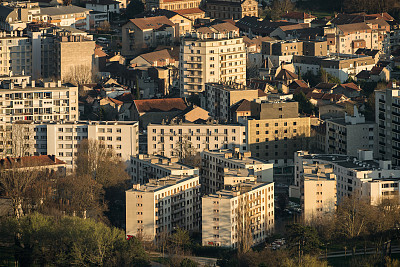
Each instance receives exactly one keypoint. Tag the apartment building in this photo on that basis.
(231, 9)
(73, 56)
(218, 167)
(277, 131)
(220, 97)
(355, 176)
(241, 213)
(62, 138)
(143, 168)
(387, 116)
(138, 35)
(160, 206)
(17, 14)
(46, 101)
(339, 65)
(349, 134)
(167, 140)
(317, 191)
(187, 8)
(216, 59)
(73, 16)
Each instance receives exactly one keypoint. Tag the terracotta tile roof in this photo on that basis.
(115, 101)
(225, 27)
(157, 56)
(165, 104)
(125, 97)
(152, 22)
(298, 83)
(354, 27)
(295, 27)
(351, 86)
(285, 74)
(376, 70)
(297, 15)
(30, 161)
(189, 11)
(244, 105)
(326, 86)
(261, 93)
(306, 90)
(204, 30)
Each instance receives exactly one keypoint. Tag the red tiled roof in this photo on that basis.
(298, 83)
(261, 93)
(30, 161)
(244, 106)
(351, 86)
(115, 101)
(285, 74)
(125, 97)
(165, 104)
(189, 11)
(152, 22)
(298, 15)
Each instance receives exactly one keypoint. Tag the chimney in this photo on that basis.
(11, 85)
(59, 83)
(33, 83)
(23, 84)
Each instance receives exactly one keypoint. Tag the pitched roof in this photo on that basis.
(364, 74)
(160, 55)
(257, 26)
(125, 97)
(189, 11)
(285, 74)
(242, 105)
(376, 70)
(165, 104)
(326, 86)
(151, 22)
(156, 13)
(261, 93)
(297, 15)
(29, 161)
(115, 101)
(351, 86)
(298, 83)
(224, 27)
(368, 52)
(354, 27)
(62, 10)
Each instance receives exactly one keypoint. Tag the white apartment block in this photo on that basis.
(217, 164)
(349, 134)
(355, 176)
(317, 191)
(387, 116)
(165, 140)
(211, 60)
(161, 206)
(62, 138)
(143, 167)
(244, 212)
(220, 97)
(51, 101)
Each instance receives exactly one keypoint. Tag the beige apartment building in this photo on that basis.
(211, 60)
(62, 138)
(187, 8)
(159, 207)
(220, 167)
(360, 177)
(143, 168)
(278, 131)
(231, 9)
(167, 140)
(317, 191)
(242, 213)
(44, 101)
(220, 97)
(349, 134)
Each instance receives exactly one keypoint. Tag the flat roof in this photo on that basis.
(164, 162)
(234, 192)
(155, 185)
(244, 160)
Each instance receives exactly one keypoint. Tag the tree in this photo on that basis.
(134, 8)
(25, 184)
(79, 74)
(305, 106)
(179, 240)
(302, 240)
(279, 7)
(186, 152)
(15, 140)
(243, 222)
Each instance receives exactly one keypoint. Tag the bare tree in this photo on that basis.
(15, 140)
(243, 222)
(79, 74)
(186, 152)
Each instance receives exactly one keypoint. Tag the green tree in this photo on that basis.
(302, 240)
(305, 106)
(180, 240)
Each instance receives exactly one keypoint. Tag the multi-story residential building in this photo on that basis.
(277, 131)
(348, 38)
(361, 177)
(349, 134)
(387, 116)
(221, 164)
(220, 97)
(73, 16)
(317, 191)
(73, 57)
(62, 138)
(49, 101)
(140, 34)
(109, 7)
(143, 167)
(167, 140)
(17, 14)
(187, 8)
(159, 207)
(242, 213)
(298, 17)
(231, 9)
(339, 65)
(216, 59)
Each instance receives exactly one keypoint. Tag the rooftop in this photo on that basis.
(237, 190)
(62, 10)
(155, 185)
(30, 161)
(164, 162)
(237, 157)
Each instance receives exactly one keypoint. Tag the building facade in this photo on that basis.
(167, 140)
(142, 168)
(221, 164)
(243, 213)
(231, 9)
(218, 59)
(160, 206)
